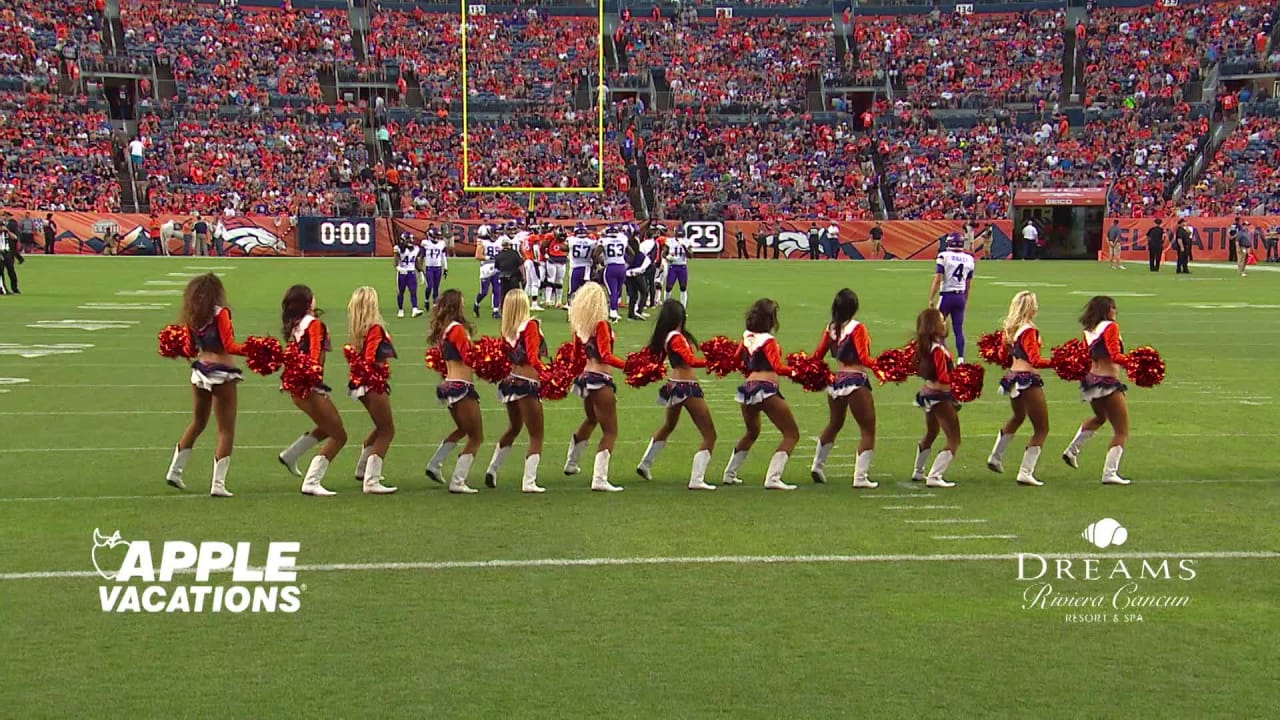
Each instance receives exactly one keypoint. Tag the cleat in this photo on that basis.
(434, 475)
(995, 465)
(400, 313)
(1071, 458)
(175, 481)
(490, 480)
(644, 473)
(818, 476)
(416, 313)
(476, 309)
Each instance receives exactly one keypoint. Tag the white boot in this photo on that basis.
(289, 456)
(731, 470)
(939, 468)
(862, 471)
(458, 483)
(1027, 471)
(373, 478)
(819, 467)
(571, 459)
(995, 461)
(218, 488)
(698, 474)
(311, 485)
(773, 477)
(173, 475)
(650, 454)
(1071, 455)
(600, 478)
(362, 463)
(529, 483)
(437, 459)
(1111, 469)
(922, 459)
(495, 464)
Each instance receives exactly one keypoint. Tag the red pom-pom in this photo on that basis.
(993, 350)
(175, 342)
(1071, 360)
(372, 376)
(643, 367)
(1145, 367)
(573, 357)
(435, 360)
(263, 355)
(811, 373)
(966, 382)
(895, 365)
(723, 355)
(488, 357)
(556, 381)
(300, 375)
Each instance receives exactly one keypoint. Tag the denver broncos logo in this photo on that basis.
(251, 239)
(790, 242)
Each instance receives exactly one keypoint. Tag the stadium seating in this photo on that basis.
(55, 154)
(1243, 177)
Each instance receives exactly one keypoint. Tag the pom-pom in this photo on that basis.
(556, 380)
(372, 376)
(966, 382)
(643, 367)
(895, 365)
(1145, 367)
(488, 358)
(435, 360)
(301, 374)
(263, 355)
(993, 350)
(723, 355)
(175, 342)
(1071, 360)
(573, 356)
(810, 373)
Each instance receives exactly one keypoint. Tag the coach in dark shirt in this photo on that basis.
(50, 230)
(813, 242)
(1155, 245)
(1182, 246)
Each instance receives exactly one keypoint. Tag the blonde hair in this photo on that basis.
(362, 314)
(1022, 310)
(588, 307)
(515, 310)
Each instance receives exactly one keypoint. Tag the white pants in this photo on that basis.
(531, 279)
(555, 273)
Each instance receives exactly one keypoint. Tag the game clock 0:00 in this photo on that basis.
(348, 235)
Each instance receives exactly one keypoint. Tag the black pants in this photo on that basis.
(651, 285)
(742, 249)
(813, 248)
(1231, 250)
(48, 244)
(1271, 250)
(635, 294)
(7, 259)
(1184, 257)
(1154, 253)
(762, 249)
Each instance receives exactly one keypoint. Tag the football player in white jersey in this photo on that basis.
(407, 273)
(435, 265)
(487, 249)
(531, 254)
(678, 265)
(953, 276)
(581, 249)
(614, 243)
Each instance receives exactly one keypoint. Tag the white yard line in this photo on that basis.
(560, 563)
(947, 521)
(975, 537)
(920, 507)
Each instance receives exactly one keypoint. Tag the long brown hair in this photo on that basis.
(1096, 310)
(763, 316)
(929, 327)
(295, 306)
(448, 310)
(203, 294)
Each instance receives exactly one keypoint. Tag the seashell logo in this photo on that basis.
(1105, 533)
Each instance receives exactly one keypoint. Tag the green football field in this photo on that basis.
(657, 602)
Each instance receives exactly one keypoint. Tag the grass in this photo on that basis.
(889, 630)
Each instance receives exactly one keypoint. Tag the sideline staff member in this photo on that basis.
(9, 251)
(1155, 246)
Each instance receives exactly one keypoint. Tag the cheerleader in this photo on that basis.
(451, 332)
(940, 408)
(519, 390)
(366, 332)
(763, 360)
(849, 343)
(1024, 387)
(672, 341)
(589, 318)
(1102, 389)
(302, 328)
(213, 378)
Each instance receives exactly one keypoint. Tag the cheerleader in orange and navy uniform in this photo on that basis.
(672, 341)
(303, 329)
(1024, 387)
(849, 343)
(589, 318)
(366, 332)
(763, 360)
(519, 391)
(451, 332)
(941, 411)
(1102, 388)
(213, 378)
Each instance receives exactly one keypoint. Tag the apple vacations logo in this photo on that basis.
(136, 582)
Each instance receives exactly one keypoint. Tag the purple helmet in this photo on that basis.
(955, 241)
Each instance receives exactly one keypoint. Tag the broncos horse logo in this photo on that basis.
(251, 239)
